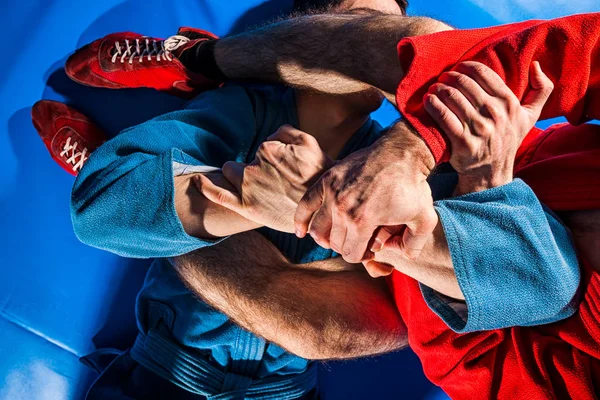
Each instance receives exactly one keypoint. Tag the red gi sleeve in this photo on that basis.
(568, 50)
(559, 360)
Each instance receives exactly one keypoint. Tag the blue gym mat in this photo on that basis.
(59, 299)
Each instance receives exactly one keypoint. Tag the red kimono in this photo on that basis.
(561, 164)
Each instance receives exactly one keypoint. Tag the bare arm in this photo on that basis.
(330, 53)
(310, 312)
(201, 217)
(433, 268)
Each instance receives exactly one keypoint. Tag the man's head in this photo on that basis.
(382, 6)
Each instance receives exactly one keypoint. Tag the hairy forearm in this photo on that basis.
(313, 313)
(331, 53)
(202, 218)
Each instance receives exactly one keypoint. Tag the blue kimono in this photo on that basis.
(123, 202)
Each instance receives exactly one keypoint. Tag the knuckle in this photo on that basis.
(352, 256)
(303, 136)
(250, 171)
(449, 76)
(482, 128)
(445, 91)
(491, 110)
(328, 178)
(548, 86)
(546, 81)
(335, 245)
(315, 232)
(306, 200)
(514, 105)
(347, 208)
(461, 79)
(265, 147)
(310, 140)
(472, 154)
(285, 128)
(478, 69)
(445, 114)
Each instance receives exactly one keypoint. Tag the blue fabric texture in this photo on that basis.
(123, 202)
(528, 273)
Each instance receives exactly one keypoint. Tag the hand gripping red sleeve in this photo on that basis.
(568, 50)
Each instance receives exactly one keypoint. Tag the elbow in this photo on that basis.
(427, 26)
(91, 221)
(319, 347)
(83, 204)
(82, 226)
(79, 219)
(335, 340)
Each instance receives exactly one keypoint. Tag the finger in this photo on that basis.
(337, 237)
(467, 86)
(289, 135)
(416, 234)
(234, 173)
(541, 88)
(308, 205)
(217, 194)
(486, 77)
(381, 236)
(455, 101)
(443, 117)
(270, 152)
(355, 246)
(377, 269)
(320, 227)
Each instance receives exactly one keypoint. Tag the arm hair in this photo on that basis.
(310, 312)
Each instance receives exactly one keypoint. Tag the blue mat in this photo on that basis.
(60, 299)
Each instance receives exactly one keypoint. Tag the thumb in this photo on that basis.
(217, 194)
(234, 173)
(416, 234)
(382, 235)
(541, 88)
(308, 205)
(287, 134)
(377, 269)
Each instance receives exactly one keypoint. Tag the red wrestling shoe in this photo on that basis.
(69, 136)
(130, 60)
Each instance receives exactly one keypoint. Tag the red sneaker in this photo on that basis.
(69, 136)
(130, 60)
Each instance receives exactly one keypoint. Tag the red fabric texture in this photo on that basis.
(562, 165)
(560, 360)
(568, 50)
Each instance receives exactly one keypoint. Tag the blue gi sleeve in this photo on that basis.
(123, 198)
(514, 261)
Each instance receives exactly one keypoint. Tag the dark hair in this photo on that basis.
(301, 6)
(403, 5)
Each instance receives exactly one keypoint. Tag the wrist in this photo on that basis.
(472, 183)
(405, 144)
